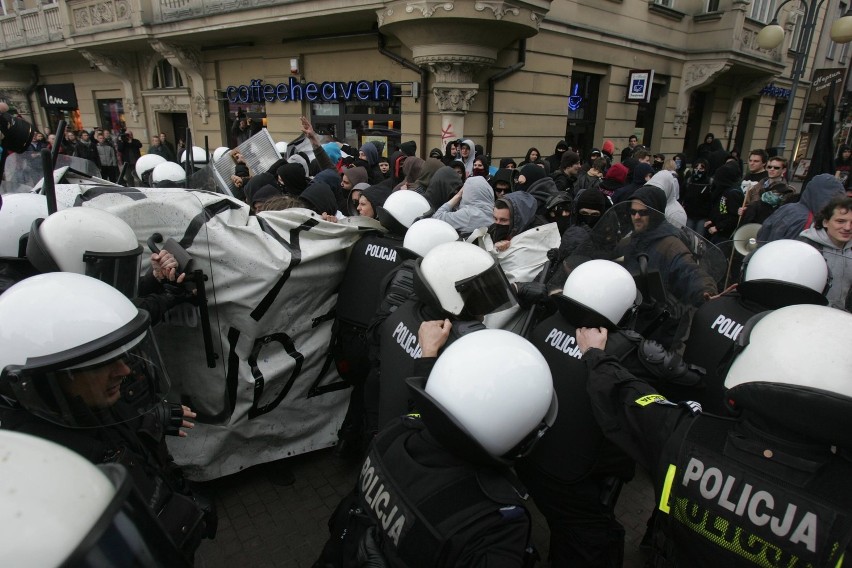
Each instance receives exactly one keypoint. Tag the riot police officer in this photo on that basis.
(17, 214)
(436, 489)
(780, 273)
(575, 475)
(359, 296)
(79, 366)
(457, 281)
(770, 487)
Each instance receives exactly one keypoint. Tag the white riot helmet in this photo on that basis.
(401, 209)
(169, 174)
(16, 219)
(785, 272)
(87, 241)
(219, 152)
(794, 369)
(281, 147)
(78, 353)
(199, 156)
(146, 163)
(489, 396)
(90, 513)
(463, 280)
(598, 293)
(426, 234)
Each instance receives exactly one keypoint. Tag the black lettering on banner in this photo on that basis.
(260, 382)
(295, 259)
(94, 192)
(316, 389)
(201, 219)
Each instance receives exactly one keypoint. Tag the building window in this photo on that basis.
(712, 5)
(166, 76)
(666, 3)
(762, 10)
(832, 47)
(796, 19)
(3, 11)
(844, 54)
(358, 122)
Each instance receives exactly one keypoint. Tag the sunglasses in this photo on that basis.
(640, 212)
(773, 167)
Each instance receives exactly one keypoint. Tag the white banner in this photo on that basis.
(271, 288)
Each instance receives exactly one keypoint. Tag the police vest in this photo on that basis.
(399, 350)
(418, 509)
(372, 257)
(574, 447)
(715, 328)
(726, 501)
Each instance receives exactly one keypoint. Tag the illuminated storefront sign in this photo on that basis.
(328, 91)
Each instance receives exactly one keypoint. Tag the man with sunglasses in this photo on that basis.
(686, 284)
(768, 485)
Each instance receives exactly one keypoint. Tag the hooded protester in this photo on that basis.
(508, 163)
(408, 148)
(793, 218)
(451, 152)
(458, 166)
(370, 154)
(503, 182)
(770, 200)
(559, 209)
(529, 174)
(291, 178)
(444, 184)
(614, 179)
(480, 166)
(554, 159)
(728, 198)
(411, 169)
(427, 170)
(710, 145)
(467, 153)
(350, 177)
(320, 198)
(475, 204)
(591, 178)
(397, 160)
(436, 153)
(675, 213)
(832, 236)
(332, 179)
(698, 196)
(641, 174)
(533, 157)
(371, 199)
(263, 195)
(543, 190)
(519, 208)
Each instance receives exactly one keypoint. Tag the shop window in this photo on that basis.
(3, 11)
(358, 122)
(712, 6)
(166, 77)
(111, 114)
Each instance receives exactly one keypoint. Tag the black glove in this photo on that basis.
(369, 552)
(531, 293)
(171, 416)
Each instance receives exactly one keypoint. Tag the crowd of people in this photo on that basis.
(629, 329)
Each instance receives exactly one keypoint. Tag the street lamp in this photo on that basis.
(772, 35)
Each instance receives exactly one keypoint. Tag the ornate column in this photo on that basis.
(456, 41)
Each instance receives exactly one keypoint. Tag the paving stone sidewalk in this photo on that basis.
(265, 524)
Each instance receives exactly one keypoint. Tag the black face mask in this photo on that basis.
(563, 223)
(499, 232)
(590, 220)
(698, 175)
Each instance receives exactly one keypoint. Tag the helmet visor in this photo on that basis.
(116, 386)
(487, 292)
(118, 269)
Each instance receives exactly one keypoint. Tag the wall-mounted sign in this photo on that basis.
(576, 99)
(61, 96)
(771, 90)
(639, 85)
(821, 80)
(328, 91)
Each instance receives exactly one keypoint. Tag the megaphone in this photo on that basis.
(745, 238)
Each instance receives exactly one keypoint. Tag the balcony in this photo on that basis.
(31, 27)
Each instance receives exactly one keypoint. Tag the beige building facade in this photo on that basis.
(506, 74)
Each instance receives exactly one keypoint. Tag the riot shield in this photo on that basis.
(675, 269)
(23, 172)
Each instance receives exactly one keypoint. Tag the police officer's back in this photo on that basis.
(574, 474)
(436, 490)
(780, 273)
(769, 488)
